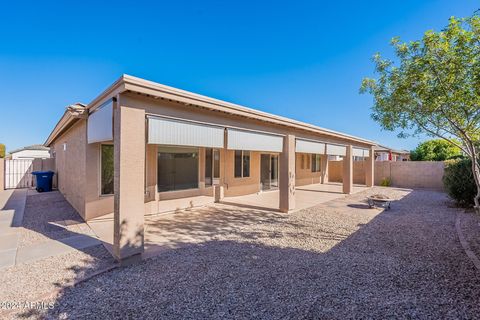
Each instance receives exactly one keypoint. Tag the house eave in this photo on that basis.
(128, 83)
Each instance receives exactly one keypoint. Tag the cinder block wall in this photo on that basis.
(2, 174)
(335, 171)
(403, 174)
(417, 174)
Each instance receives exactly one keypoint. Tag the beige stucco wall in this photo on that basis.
(70, 165)
(305, 175)
(241, 186)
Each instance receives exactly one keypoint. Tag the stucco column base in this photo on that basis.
(218, 193)
(348, 171)
(370, 168)
(287, 174)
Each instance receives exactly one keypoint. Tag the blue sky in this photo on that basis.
(300, 59)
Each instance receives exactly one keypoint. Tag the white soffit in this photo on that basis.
(336, 150)
(100, 124)
(309, 146)
(254, 141)
(184, 133)
(357, 152)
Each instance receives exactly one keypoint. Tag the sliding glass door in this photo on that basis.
(177, 168)
(269, 171)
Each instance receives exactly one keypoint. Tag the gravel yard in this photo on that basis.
(337, 260)
(48, 216)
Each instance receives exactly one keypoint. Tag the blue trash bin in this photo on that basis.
(44, 180)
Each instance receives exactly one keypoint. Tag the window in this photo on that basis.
(302, 161)
(212, 166)
(177, 169)
(316, 163)
(242, 164)
(308, 161)
(106, 169)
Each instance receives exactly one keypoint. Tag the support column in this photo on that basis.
(219, 191)
(287, 174)
(324, 173)
(370, 168)
(348, 171)
(129, 182)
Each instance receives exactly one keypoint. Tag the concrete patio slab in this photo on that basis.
(305, 197)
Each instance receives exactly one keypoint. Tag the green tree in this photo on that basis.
(435, 150)
(433, 88)
(2, 150)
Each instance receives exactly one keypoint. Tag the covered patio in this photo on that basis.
(305, 196)
(165, 149)
(201, 223)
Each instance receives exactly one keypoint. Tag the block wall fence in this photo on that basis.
(2, 174)
(403, 174)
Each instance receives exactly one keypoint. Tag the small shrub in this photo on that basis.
(459, 183)
(386, 182)
(2, 150)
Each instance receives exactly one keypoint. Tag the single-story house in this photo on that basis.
(383, 153)
(30, 152)
(140, 143)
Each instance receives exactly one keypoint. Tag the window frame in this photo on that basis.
(197, 151)
(314, 167)
(100, 167)
(244, 154)
(214, 179)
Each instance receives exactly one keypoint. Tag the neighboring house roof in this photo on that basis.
(380, 148)
(127, 83)
(32, 147)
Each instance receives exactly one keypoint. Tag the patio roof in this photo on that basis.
(127, 83)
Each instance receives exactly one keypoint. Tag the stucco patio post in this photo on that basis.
(370, 168)
(324, 165)
(219, 190)
(348, 171)
(129, 182)
(287, 174)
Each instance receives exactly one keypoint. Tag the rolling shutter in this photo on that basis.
(308, 146)
(183, 133)
(336, 150)
(254, 141)
(100, 124)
